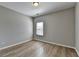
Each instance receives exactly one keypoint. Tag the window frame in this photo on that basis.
(36, 28)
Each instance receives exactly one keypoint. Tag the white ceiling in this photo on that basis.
(27, 8)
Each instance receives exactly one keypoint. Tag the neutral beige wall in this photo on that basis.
(14, 27)
(77, 27)
(59, 27)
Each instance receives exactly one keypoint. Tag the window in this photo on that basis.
(39, 28)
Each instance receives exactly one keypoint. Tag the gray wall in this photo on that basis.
(14, 27)
(59, 27)
(77, 27)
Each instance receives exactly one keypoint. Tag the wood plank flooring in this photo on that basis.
(38, 49)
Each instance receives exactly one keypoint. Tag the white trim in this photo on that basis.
(42, 41)
(77, 51)
(60, 45)
(15, 44)
(56, 44)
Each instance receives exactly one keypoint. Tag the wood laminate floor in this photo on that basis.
(38, 49)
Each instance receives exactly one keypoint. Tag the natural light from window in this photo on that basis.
(39, 28)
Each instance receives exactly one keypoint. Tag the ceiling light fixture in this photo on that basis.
(35, 4)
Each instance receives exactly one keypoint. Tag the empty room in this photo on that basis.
(39, 29)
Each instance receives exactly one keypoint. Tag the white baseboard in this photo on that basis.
(60, 45)
(56, 44)
(41, 41)
(15, 44)
(77, 51)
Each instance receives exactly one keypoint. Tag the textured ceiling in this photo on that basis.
(27, 8)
